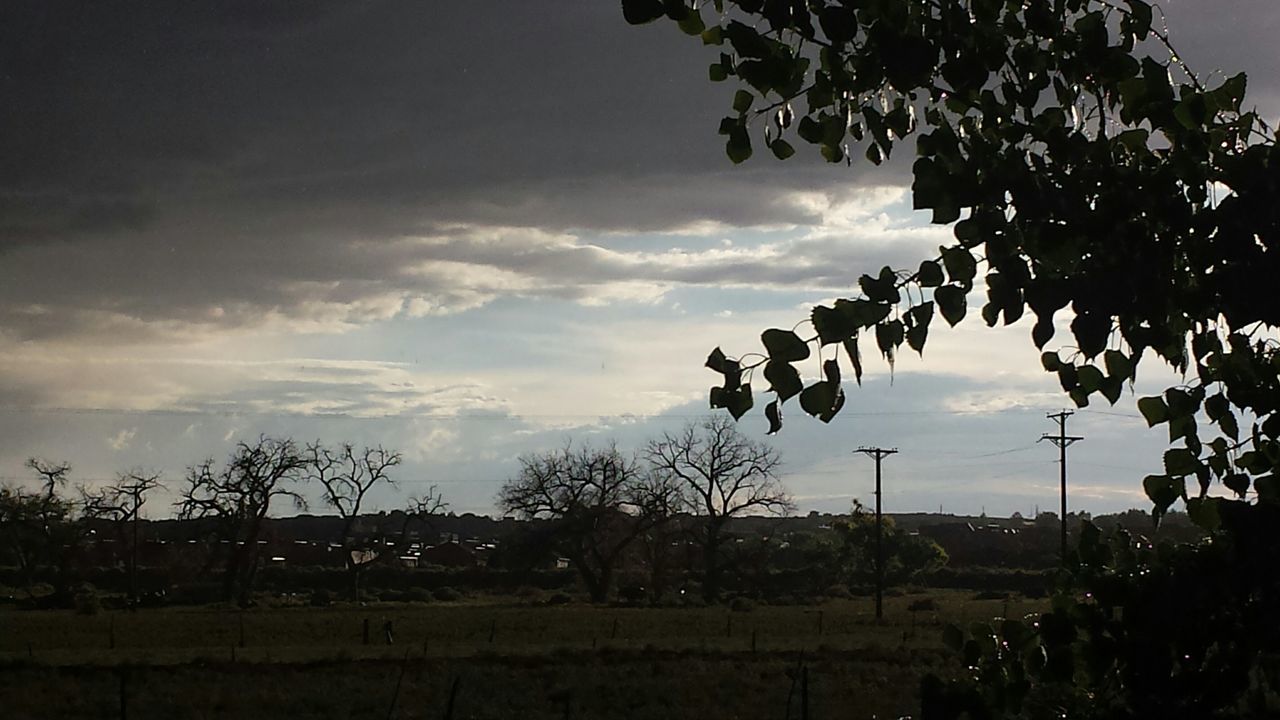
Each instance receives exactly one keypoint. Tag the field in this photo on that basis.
(467, 660)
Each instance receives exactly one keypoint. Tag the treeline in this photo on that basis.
(44, 533)
(658, 522)
(701, 512)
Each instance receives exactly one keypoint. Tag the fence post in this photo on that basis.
(399, 680)
(124, 693)
(453, 696)
(804, 693)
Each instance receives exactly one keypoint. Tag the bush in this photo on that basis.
(417, 594)
(320, 598)
(529, 594)
(447, 594)
(559, 598)
(923, 605)
(87, 601)
(632, 594)
(838, 591)
(742, 604)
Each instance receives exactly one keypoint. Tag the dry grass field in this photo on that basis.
(490, 660)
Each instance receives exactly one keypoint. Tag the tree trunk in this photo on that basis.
(711, 569)
(354, 569)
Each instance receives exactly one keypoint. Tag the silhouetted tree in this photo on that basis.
(347, 476)
(419, 513)
(238, 497)
(906, 556)
(721, 474)
(598, 501)
(121, 503)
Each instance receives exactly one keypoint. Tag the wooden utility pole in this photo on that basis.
(1062, 440)
(878, 454)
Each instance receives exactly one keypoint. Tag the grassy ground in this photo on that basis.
(583, 661)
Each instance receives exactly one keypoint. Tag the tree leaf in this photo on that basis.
(1203, 511)
(782, 149)
(1118, 364)
(1180, 461)
(889, 336)
(929, 274)
(639, 12)
(738, 146)
(818, 398)
(961, 267)
(831, 371)
(739, 402)
(1162, 490)
(832, 325)
(784, 379)
(831, 412)
(855, 357)
(1153, 410)
(784, 345)
(774, 415)
(951, 303)
(715, 360)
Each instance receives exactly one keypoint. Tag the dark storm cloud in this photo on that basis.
(176, 167)
(468, 109)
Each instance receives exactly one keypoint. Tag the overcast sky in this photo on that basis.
(467, 231)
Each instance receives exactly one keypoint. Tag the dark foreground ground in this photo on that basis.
(481, 661)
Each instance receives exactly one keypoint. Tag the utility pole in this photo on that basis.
(878, 454)
(1062, 440)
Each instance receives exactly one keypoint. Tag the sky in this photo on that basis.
(471, 231)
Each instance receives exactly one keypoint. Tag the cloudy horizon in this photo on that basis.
(469, 232)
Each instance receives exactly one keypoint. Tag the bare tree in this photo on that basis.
(724, 475)
(43, 529)
(52, 475)
(598, 500)
(420, 510)
(347, 476)
(121, 503)
(30, 525)
(238, 498)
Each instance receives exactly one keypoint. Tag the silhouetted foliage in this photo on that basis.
(720, 475)
(238, 497)
(1083, 167)
(598, 501)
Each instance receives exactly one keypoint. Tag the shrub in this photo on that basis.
(447, 594)
(87, 601)
(742, 604)
(529, 594)
(838, 590)
(926, 604)
(320, 598)
(559, 598)
(417, 594)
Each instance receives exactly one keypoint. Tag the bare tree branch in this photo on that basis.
(723, 475)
